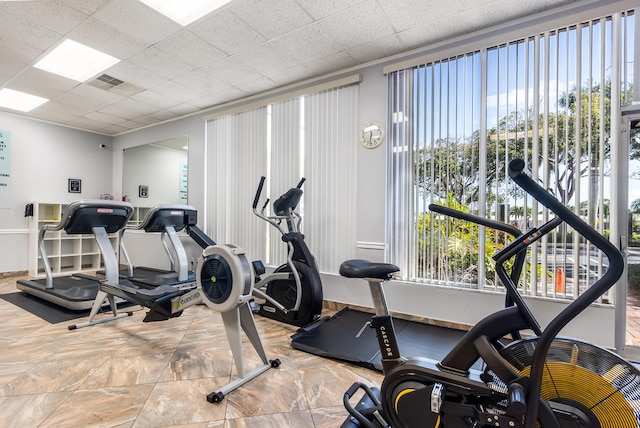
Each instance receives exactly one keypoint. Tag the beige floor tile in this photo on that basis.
(22, 411)
(106, 407)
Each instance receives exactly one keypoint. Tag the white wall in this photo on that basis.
(43, 158)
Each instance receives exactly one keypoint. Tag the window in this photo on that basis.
(309, 136)
(457, 122)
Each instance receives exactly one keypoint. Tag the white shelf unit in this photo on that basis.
(67, 254)
(138, 215)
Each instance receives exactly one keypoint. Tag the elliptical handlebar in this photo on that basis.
(258, 192)
(302, 180)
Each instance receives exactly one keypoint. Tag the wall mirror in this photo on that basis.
(156, 173)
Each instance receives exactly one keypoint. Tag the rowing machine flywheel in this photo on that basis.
(593, 380)
(224, 277)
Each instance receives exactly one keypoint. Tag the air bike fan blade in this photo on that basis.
(584, 376)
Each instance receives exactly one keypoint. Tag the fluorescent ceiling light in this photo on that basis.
(16, 100)
(185, 12)
(76, 61)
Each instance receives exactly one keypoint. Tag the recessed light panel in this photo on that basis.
(16, 100)
(185, 12)
(76, 61)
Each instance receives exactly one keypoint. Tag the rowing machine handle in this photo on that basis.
(258, 193)
(299, 186)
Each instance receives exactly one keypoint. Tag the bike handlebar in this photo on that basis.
(613, 273)
(450, 212)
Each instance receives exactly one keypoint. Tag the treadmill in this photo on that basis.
(97, 217)
(168, 220)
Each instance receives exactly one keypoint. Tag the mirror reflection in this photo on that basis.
(156, 173)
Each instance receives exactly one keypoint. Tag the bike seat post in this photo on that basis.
(378, 297)
(382, 322)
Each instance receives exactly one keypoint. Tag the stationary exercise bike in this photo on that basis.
(292, 293)
(542, 380)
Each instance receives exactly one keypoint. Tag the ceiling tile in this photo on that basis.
(139, 107)
(118, 110)
(116, 129)
(378, 48)
(338, 61)
(106, 118)
(137, 20)
(272, 18)
(131, 124)
(175, 90)
(268, 58)
(191, 49)
(311, 42)
(357, 26)
(41, 83)
(160, 101)
(98, 95)
(53, 15)
(22, 30)
(230, 70)
(161, 63)
(324, 8)
(257, 86)
(136, 75)
(85, 6)
(227, 32)
(247, 47)
(202, 81)
(294, 74)
(104, 37)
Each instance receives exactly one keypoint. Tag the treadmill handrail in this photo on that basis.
(67, 219)
(169, 231)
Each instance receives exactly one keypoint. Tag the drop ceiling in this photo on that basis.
(247, 47)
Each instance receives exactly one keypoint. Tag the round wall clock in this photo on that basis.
(372, 135)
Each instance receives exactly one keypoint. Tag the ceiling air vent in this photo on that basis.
(117, 86)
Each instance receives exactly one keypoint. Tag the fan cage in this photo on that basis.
(587, 374)
(216, 279)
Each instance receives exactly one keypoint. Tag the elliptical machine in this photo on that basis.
(543, 380)
(292, 293)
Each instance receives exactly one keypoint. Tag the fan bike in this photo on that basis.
(541, 381)
(292, 293)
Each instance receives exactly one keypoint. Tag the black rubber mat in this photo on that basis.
(47, 311)
(335, 337)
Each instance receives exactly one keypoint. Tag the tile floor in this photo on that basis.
(128, 373)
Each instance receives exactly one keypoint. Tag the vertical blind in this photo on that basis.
(458, 122)
(312, 136)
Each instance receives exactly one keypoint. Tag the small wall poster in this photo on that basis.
(5, 169)
(184, 174)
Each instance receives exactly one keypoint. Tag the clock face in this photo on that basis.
(372, 135)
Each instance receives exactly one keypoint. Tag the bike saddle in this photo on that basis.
(358, 268)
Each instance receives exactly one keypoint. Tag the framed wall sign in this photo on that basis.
(143, 191)
(75, 185)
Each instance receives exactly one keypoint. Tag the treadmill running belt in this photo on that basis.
(335, 337)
